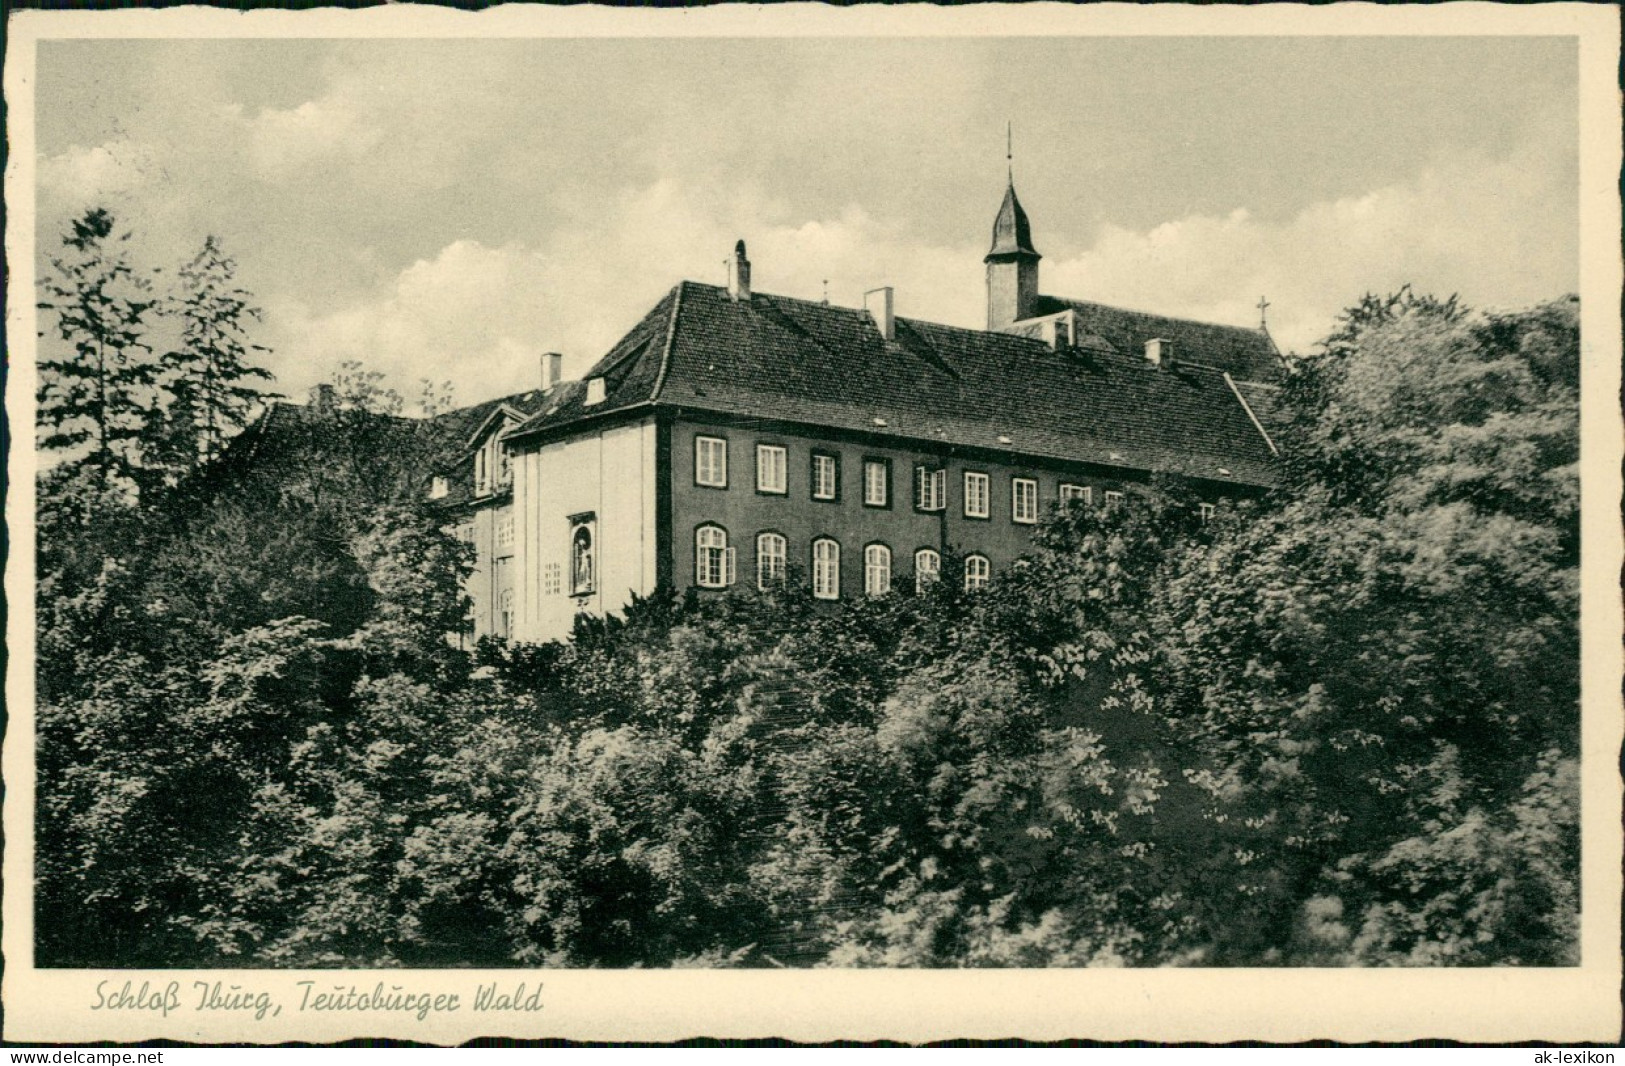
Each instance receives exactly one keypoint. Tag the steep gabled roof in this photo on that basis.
(811, 363)
(1245, 354)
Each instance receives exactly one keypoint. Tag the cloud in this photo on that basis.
(470, 315)
(102, 173)
(285, 141)
(1500, 233)
(480, 316)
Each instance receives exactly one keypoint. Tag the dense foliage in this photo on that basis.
(1334, 726)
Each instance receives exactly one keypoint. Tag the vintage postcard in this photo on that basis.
(890, 522)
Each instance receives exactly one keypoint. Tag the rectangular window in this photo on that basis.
(930, 488)
(876, 483)
(711, 462)
(826, 476)
(505, 532)
(552, 581)
(770, 469)
(1113, 498)
(1205, 510)
(1075, 492)
(1023, 500)
(976, 495)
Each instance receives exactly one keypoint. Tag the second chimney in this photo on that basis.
(878, 302)
(552, 370)
(739, 274)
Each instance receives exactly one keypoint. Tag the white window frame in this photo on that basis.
(978, 572)
(822, 462)
(978, 494)
(930, 488)
(713, 558)
(505, 528)
(1113, 497)
(711, 462)
(772, 551)
(772, 469)
(876, 570)
(876, 483)
(826, 569)
(1070, 491)
(927, 575)
(1023, 500)
(1206, 512)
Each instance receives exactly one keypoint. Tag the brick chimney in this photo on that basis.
(323, 399)
(739, 274)
(552, 370)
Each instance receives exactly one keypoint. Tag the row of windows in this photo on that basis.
(930, 483)
(714, 566)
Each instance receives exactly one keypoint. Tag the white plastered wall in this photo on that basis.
(609, 474)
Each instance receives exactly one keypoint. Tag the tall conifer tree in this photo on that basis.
(98, 395)
(208, 376)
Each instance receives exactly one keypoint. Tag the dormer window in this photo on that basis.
(1061, 330)
(438, 489)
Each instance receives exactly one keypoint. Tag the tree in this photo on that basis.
(1376, 678)
(208, 376)
(100, 394)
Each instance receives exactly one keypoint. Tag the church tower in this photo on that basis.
(1012, 266)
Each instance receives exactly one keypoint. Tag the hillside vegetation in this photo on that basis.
(1338, 726)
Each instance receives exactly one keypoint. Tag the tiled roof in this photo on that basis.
(799, 361)
(1245, 354)
(459, 427)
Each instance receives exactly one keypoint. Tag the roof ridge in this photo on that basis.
(671, 341)
(1245, 406)
(1153, 314)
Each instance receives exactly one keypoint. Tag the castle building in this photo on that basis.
(734, 437)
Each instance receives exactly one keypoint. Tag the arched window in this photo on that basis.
(713, 559)
(927, 568)
(977, 572)
(877, 570)
(770, 551)
(826, 569)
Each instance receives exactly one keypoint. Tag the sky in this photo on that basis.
(451, 209)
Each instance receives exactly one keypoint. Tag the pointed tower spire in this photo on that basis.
(1012, 261)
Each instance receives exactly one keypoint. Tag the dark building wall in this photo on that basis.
(744, 512)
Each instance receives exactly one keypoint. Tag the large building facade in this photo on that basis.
(737, 438)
